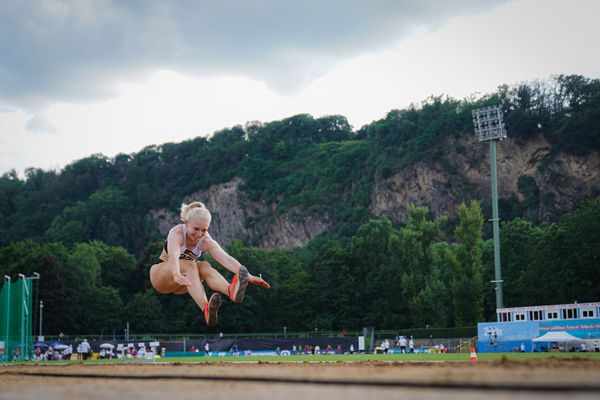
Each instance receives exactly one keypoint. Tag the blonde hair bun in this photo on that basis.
(197, 209)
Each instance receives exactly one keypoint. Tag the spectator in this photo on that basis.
(317, 349)
(142, 352)
(192, 348)
(207, 349)
(596, 347)
(411, 345)
(86, 349)
(522, 347)
(339, 348)
(402, 344)
(102, 354)
(329, 349)
(67, 352)
(49, 354)
(234, 349)
(352, 349)
(17, 354)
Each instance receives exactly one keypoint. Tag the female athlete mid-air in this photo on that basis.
(177, 270)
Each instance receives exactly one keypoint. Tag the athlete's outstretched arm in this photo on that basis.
(231, 263)
(220, 255)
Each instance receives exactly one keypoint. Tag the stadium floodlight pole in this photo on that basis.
(489, 126)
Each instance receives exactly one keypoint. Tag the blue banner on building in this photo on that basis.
(518, 336)
(582, 328)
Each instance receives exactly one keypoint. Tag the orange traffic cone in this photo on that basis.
(473, 355)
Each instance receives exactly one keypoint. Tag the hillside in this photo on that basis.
(282, 183)
(528, 188)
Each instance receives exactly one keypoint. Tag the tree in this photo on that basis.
(331, 288)
(116, 267)
(432, 305)
(145, 313)
(368, 263)
(465, 259)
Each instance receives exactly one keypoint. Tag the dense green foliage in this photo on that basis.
(384, 276)
(555, 261)
(86, 230)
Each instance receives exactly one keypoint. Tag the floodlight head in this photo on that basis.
(488, 123)
(21, 276)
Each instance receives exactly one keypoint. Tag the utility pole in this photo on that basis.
(41, 312)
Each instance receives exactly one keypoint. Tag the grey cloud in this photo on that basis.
(76, 50)
(38, 123)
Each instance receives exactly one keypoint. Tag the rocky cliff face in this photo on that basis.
(440, 187)
(235, 217)
(565, 180)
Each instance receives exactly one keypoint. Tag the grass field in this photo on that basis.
(385, 357)
(350, 358)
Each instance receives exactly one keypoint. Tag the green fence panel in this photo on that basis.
(16, 321)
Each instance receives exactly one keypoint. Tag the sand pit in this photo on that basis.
(532, 379)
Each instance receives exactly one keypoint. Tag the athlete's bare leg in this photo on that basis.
(195, 290)
(213, 278)
(162, 280)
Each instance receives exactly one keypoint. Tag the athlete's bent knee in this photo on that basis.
(203, 264)
(188, 268)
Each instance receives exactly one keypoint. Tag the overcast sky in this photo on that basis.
(82, 77)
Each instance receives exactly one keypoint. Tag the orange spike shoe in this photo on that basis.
(211, 308)
(238, 285)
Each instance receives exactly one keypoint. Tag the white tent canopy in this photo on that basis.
(557, 337)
